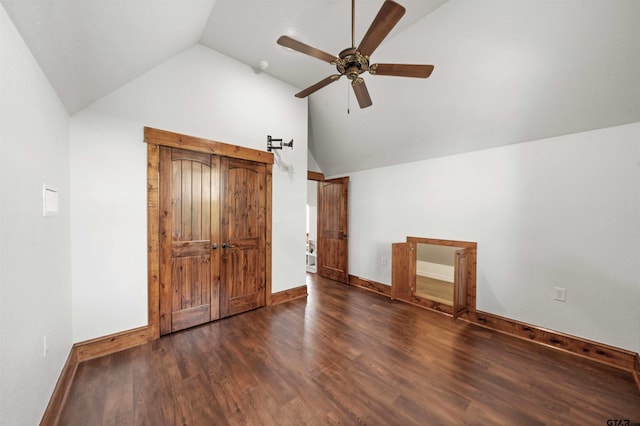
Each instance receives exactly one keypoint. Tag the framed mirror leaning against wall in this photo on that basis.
(436, 274)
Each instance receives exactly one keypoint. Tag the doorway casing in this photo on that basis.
(156, 138)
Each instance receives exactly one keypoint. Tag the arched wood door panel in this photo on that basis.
(242, 234)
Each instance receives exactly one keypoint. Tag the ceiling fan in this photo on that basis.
(353, 61)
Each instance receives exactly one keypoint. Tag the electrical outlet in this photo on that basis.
(45, 346)
(383, 261)
(560, 294)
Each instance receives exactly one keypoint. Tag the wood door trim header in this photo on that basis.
(193, 143)
(317, 176)
(438, 242)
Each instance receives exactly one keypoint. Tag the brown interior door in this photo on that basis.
(460, 283)
(242, 229)
(333, 232)
(187, 274)
(403, 270)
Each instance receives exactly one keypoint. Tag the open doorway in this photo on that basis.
(332, 233)
(311, 256)
(312, 227)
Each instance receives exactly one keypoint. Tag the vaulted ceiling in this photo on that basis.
(506, 71)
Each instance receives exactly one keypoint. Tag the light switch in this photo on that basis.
(49, 200)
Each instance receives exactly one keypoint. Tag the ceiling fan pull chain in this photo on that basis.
(348, 99)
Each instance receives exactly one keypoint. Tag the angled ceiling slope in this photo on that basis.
(505, 71)
(87, 49)
(247, 30)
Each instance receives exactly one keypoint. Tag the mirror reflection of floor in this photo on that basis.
(436, 290)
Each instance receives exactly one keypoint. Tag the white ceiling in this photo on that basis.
(506, 71)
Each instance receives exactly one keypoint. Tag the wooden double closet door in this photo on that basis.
(211, 237)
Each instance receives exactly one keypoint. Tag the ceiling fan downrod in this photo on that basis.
(353, 23)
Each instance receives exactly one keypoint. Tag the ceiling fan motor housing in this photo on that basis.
(352, 63)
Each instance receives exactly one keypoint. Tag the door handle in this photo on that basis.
(225, 245)
(215, 246)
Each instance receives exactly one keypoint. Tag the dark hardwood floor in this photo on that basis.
(346, 356)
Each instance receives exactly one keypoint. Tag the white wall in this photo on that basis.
(312, 203)
(312, 197)
(35, 285)
(556, 212)
(312, 164)
(443, 255)
(199, 92)
(437, 271)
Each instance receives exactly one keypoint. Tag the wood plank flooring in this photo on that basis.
(346, 356)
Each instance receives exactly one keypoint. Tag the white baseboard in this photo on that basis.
(435, 271)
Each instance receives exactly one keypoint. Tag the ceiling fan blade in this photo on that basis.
(402, 70)
(287, 41)
(362, 94)
(319, 85)
(387, 18)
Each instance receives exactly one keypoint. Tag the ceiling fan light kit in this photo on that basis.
(354, 61)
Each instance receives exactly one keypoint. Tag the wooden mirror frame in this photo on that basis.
(403, 274)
